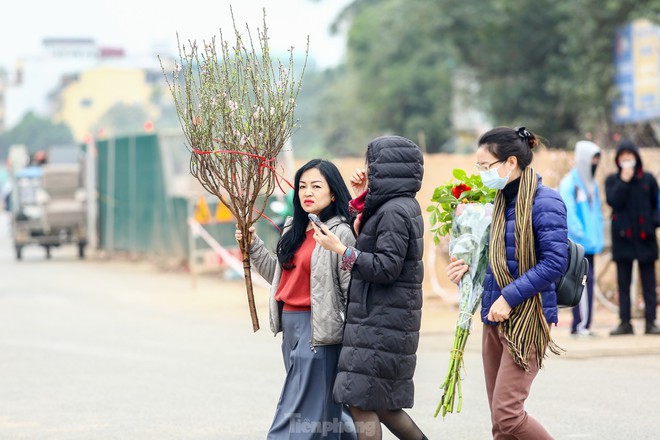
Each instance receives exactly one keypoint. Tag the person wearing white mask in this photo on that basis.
(528, 253)
(581, 195)
(633, 195)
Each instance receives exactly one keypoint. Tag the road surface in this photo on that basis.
(121, 349)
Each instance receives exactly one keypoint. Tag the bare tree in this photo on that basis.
(236, 109)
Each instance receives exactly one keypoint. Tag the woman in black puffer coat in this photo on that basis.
(383, 316)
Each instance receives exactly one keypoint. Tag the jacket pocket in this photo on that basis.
(365, 295)
(621, 230)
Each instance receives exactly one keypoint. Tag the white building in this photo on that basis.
(36, 76)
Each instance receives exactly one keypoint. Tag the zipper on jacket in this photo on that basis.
(311, 323)
(311, 309)
(311, 317)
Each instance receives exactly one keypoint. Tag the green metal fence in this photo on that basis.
(140, 212)
(135, 213)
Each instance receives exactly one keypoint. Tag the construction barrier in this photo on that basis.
(146, 196)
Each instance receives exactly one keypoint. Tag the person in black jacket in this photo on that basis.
(633, 195)
(383, 316)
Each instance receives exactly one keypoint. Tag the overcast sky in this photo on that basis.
(140, 25)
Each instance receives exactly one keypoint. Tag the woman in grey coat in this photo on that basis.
(307, 304)
(383, 317)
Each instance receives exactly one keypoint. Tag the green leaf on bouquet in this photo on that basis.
(460, 175)
(437, 193)
(446, 199)
(434, 217)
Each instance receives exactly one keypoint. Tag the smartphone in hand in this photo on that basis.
(315, 218)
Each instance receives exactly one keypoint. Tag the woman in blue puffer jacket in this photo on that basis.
(528, 252)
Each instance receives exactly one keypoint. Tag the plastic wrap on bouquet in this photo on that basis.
(469, 242)
(469, 238)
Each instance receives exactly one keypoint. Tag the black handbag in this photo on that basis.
(570, 286)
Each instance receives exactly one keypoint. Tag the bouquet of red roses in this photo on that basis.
(464, 210)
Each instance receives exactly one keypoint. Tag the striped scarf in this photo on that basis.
(526, 331)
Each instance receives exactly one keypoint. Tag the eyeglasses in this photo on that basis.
(485, 167)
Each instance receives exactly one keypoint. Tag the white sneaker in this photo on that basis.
(582, 333)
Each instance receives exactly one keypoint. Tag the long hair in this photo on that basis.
(294, 236)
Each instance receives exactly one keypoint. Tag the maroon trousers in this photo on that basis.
(508, 386)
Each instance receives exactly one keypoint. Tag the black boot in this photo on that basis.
(625, 328)
(652, 329)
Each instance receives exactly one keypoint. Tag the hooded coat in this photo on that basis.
(581, 195)
(634, 211)
(383, 317)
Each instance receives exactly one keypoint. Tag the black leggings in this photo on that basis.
(367, 424)
(624, 278)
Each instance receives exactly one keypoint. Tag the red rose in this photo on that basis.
(459, 189)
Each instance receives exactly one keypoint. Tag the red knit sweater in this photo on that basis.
(294, 288)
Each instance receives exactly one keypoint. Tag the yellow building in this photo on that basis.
(84, 98)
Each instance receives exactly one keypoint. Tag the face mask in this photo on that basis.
(628, 163)
(493, 180)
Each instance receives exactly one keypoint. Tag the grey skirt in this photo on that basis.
(306, 410)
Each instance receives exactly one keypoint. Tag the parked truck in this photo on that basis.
(49, 205)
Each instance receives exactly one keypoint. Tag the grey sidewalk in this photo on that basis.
(439, 319)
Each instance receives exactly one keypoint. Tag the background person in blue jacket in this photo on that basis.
(633, 195)
(581, 195)
(528, 252)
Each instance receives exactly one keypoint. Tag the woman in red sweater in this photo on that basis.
(307, 304)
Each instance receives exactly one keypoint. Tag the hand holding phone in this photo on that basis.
(316, 220)
(326, 240)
